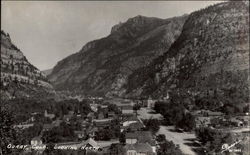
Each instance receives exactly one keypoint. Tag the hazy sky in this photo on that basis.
(48, 31)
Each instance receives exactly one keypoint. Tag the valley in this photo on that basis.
(152, 86)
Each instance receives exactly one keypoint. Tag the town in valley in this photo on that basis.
(175, 86)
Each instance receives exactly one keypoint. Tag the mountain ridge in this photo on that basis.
(19, 78)
(209, 60)
(104, 64)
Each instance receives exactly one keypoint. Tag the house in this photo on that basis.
(136, 126)
(139, 149)
(132, 124)
(90, 144)
(139, 137)
(102, 122)
(36, 141)
(128, 120)
(127, 109)
(127, 123)
(46, 114)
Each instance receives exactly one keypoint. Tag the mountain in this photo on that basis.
(47, 72)
(210, 58)
(102, 66)
(19, 78)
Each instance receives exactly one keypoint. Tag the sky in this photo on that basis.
(48, 31)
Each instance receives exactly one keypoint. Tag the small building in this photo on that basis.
(127, 109)
(136, 126)
(128, 122)
(102, 122)
(139, 137)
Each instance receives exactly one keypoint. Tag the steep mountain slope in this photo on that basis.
(102, 66)
(47, 72)
(209, 59)
(19, 78)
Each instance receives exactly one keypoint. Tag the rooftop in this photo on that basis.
(141, 136)
(139, 147)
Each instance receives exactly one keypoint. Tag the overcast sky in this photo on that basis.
(48, 31)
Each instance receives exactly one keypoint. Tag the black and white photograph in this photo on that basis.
(162, 77)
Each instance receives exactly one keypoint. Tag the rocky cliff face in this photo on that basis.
(102, 66)
(209, 59)
(18, 77)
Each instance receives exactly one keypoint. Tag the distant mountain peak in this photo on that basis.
(136, 21)
(102, 66)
